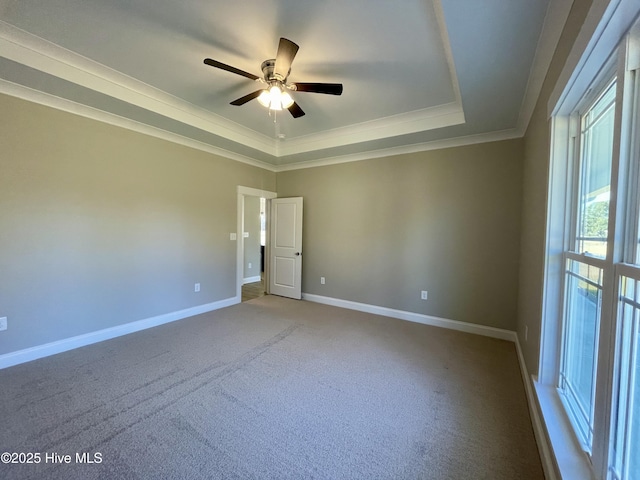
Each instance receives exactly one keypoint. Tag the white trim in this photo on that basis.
(554, 22)
(59, 346)
(69, 106)
(446, 45)
(65, 105)
(483, 330)
(544, 447)
(256, 192)
(255, 278)
(405, 149)
(571, 462)
(402, 124)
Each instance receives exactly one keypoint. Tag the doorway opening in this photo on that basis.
(253, 243)
(254, 235)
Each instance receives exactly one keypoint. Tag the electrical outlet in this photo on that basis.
(322, 281)
(196, 287)
(424, 295)
(233, 236)
(249, 265)
(3, 323)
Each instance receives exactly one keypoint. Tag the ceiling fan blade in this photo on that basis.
(295, 110)
(286, 53)
(229, 68)
(328, 88)
(246, 98)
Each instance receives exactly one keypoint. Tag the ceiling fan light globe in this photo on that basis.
(275, 94)
(286, 100)
(264, 98)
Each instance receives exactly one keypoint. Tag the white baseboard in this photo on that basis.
(256, 278)
(415, 317)
(59, 346)
(539, 431)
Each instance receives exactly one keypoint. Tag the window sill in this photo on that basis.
(571, 461)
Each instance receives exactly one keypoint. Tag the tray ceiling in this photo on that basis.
(414, 75)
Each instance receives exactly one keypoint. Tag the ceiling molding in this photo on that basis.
(406, 149)
(444, 35)
(554, 22)
(35, 52)
(411, 122)
(65, 105)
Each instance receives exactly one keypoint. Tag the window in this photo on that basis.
(584, 274)
(596, 139)
(590, 350)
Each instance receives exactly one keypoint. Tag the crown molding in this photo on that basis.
(446, 45)
(65, 105)
(42, 55)
(554, 22)
(402, 124)
(406, 149)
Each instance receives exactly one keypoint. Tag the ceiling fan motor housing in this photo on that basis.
(268, 67)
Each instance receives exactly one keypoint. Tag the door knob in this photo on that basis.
(297, 254)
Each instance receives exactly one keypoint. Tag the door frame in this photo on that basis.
(241, 193)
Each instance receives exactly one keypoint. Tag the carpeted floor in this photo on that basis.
(275, 389)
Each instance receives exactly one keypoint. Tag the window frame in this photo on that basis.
(610, 40)
(572, 138)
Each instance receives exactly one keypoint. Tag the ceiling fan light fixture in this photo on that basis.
(275, 98)
(275, 72)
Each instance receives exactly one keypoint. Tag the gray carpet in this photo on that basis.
(275, 389)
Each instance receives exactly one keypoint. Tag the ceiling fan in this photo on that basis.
(275, 95)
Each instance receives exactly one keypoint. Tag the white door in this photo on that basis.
(285, 277)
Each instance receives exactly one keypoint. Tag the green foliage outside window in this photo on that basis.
(596, 220)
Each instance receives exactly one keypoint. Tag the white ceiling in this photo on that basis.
(416, 73)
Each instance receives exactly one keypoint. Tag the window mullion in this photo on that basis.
(573, 189)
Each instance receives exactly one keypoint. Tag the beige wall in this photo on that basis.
(100, 226)
(536, 176)
(446, 221)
